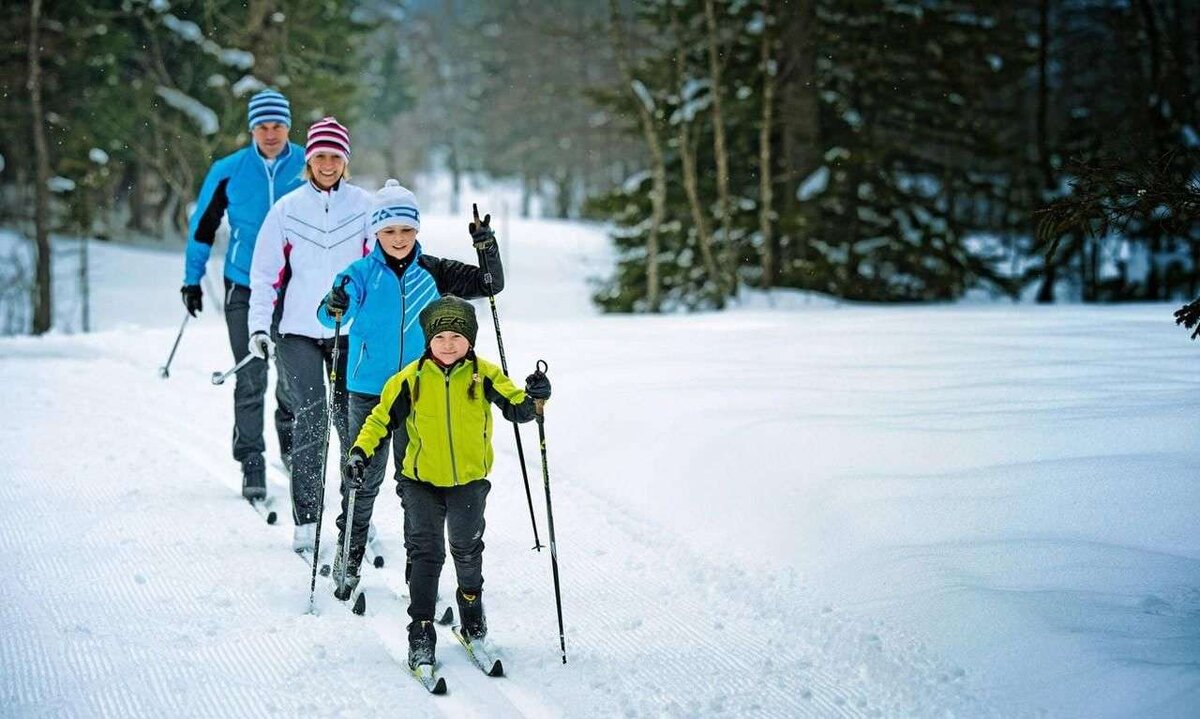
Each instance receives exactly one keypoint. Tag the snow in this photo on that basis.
(204, 117)
(98, 156)
(58, 183)
(814, 184)
(797, 507)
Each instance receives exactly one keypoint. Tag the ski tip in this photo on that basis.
(497, 669)
(360, 605)
(325, 570)
(439, 688)
(447, 617)
(272, 517)
(378, 562)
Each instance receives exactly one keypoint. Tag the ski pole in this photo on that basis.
(337, 331)
(539, 408)
(220, 377)
(346, 530)
(487, 280)
(165, 370)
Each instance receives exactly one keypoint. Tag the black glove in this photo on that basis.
(337, 301)
(537, 385)
(356, 469)
(481, 231)
(193, 299)
(1189, 316)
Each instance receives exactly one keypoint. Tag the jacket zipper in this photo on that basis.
(449, 431)
(403, 315)
(362, 355)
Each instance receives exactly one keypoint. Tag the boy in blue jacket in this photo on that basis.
(384, 295)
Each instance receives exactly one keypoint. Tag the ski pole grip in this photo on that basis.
(538, 404)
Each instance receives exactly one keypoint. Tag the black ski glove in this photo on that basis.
(537, 385)
(356, 469)
(481, 231)
(1189, 316)
(337, 301)
(193, 298)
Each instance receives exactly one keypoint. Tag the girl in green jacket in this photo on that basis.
(442, 403)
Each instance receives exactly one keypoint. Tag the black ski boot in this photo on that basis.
(470, 613)
(353, 575)
(421, 643)
(254, 479)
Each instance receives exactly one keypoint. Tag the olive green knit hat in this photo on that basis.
(449, 313)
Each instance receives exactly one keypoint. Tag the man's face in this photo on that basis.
(270, 137)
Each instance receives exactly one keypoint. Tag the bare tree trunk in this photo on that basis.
(690, 185)
(720, 150)
(765, 193)
(42, 296)
(263, 37)
(658, 166)
(799, 129)
(1045, 293)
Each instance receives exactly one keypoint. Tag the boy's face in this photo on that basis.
(397, 240)
(449, 347)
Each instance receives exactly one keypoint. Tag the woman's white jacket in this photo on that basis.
(307, 238)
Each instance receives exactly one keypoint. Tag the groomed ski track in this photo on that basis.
(139, 583)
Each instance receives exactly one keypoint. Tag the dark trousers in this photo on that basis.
(250, 385)
(429, 514)
(306, 363)
(364, 499)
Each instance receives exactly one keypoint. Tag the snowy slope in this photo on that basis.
(819, 511)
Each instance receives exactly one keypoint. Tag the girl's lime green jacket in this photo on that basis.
(447, 416)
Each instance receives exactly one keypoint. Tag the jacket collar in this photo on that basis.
(378, 255)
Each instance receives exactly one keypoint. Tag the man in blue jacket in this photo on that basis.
(242, 187)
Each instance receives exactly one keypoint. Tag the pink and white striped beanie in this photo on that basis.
(327, 135)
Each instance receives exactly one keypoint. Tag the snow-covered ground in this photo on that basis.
(814, 510)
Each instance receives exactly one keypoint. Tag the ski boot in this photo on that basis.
(470, 613)
(421, 644)
(254, 480)
(344, 591)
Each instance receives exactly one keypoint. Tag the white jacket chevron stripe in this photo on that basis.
(314, 234)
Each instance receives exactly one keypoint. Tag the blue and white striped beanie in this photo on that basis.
(269, 106)
(394, 205)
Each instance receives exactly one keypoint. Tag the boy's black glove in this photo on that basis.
(537, 386)
(337, 301)
(193, 299)
(481, 231)
(356, 469)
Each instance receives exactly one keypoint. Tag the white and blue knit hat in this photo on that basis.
(394, 204)
(269, 106)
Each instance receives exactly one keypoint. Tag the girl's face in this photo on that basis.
(397, 240)
(327, 168)
(449, 347)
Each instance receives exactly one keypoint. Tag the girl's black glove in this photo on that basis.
(537, 385)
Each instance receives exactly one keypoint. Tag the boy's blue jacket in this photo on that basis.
(385, 334)
(241, 185)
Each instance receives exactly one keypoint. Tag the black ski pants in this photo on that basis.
(250, 386)
(306, 362)
(429, 514)
(364, 500)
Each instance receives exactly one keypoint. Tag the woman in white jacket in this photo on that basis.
(309, 236)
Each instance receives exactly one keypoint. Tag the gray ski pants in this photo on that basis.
(364, 500)
(250, 386)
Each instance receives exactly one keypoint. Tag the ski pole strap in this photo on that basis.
(539, 404)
